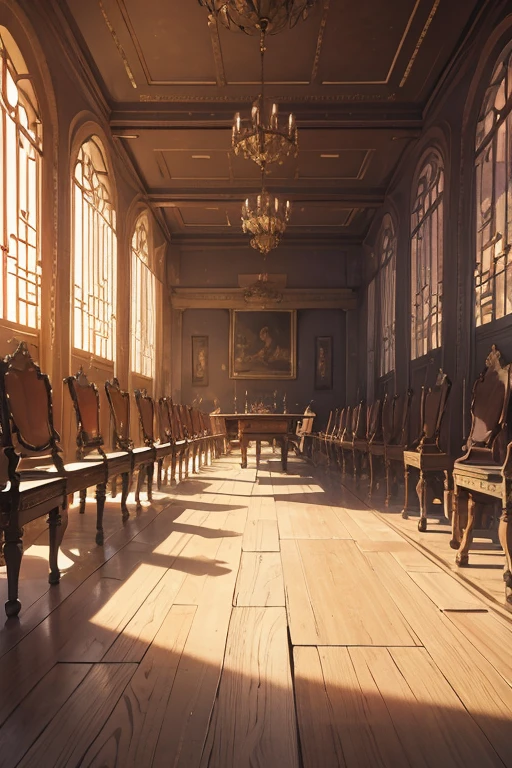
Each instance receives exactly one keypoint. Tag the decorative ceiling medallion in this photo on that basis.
(250, 15)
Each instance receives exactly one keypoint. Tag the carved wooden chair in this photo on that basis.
(220, 433)
(199, 436)
(427, 456)
(193, 440)
(89, 441)
(119, 405)
(356, 431)
(180, 432)
(483, 474)
(362, 444)
(146, 411)
(303, 430)
(378, 441)
(344, 435)
(397, 442)
(28, 492)
(167, 434)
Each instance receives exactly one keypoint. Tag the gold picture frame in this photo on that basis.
(263, 344)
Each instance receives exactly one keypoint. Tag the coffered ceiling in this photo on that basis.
(357, 75)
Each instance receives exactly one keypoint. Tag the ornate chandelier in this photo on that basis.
(250, 15)
(261, 137)
(265, 217)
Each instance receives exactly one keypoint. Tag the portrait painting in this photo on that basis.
(200, 361)
(263, 344)
(323, 362)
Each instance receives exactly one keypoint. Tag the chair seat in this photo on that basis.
(491, 472)
(163, 449)
(428, 461)
(395, 452)
(377, 449)
(38, 496)
(361, 444)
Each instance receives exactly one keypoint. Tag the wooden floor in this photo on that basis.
(251, 618)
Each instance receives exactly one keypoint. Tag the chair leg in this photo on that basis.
(83, 498)
(125, 490)
(187, 461)
(405, 510)
(160, 464)
(57, 524)
(421, 490)
(150, 472)
(101, 493)
(13, 552)
(140, 479)
(462, 557)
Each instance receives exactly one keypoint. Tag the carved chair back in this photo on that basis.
(195, 421)
(432, 408)
(86, 402)
(489, 409)
(26, 412)
(185, 421)
(164, 420)
(177, 422)
(146, 409)
(329, 422)
(342, 423)
(387, 418)
(360, 422)
(205, 421)
(347, 431)
(334, 422)
(401, 414)
(119, 404)
(374, 425)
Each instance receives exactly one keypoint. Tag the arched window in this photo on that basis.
(143, 301)
(387, 280)
(95, 253)
(493, 165)
(20, 168)
(427, 256)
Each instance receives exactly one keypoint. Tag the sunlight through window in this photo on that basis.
(143, 301)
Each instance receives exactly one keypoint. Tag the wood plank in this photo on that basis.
(260, 580)
(189, 707)
(254, 725)
(368, 545)
(446, 734)
(261, 508)
(130, 734)
(374, 527)
(139, 633)
(412, 560)
(319, 734)
(200, 558)
(37, 709)
(89, 639)
(346, 603)
(482, 690)
(490, 635)
(261, 536)
(65, 740)
(447, 593)
(309, 521)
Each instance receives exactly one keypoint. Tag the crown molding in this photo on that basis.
(291, 298)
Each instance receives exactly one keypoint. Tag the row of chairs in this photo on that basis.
(35, 480)
(475, 488)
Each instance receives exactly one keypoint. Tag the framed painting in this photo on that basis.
(323, 362)
(200, 361)
(263, 344)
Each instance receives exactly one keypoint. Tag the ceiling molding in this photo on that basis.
(222, 241)
(292, 298)
(349, 198)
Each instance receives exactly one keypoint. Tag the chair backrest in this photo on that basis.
(185, 420)
(432, 408)
(119, 404)
(329, 422)
(164, 420)
(490, 402)
(146, 409)
(400, 421)
(347, 430)
(178, 427)
(342, 423)
(359, 422)
(334, 423)
(388, 406)
(374, 425)
(26, 411)
(195, 421)
(86, 402)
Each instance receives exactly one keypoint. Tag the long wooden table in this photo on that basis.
(261, 426)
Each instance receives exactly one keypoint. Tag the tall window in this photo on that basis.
(493, 161)
(143, 302)
(20, 169)
(95, 253)
(387, 280)
(427, 257)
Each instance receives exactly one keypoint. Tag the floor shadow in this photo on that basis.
(206, 533)
(205, 506)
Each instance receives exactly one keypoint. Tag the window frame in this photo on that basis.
(427, 208)
(386, 296)
(142, 274)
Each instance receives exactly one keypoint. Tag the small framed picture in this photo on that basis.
(323, 362)
(200, 361)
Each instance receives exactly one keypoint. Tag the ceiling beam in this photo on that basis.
(190, 198)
